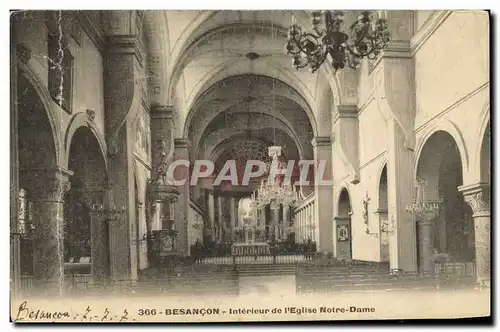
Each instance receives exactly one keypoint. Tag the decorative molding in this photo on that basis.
(345, 111)
(126, 44)
(182, 143)
(452, 106)
(90, 115)
(428, 29)
(92, 29)
(162, 112)
(321, 141)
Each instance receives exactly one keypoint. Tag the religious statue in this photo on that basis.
(161, 170)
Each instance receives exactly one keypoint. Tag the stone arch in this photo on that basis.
(305, 105)
(482, 158)
(451, 129)
(84, 120)
(440, 166)
(195, 30)
(344, 205)
(382, 192)
(29, 78)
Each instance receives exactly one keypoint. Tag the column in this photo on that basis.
(286, 220)
(182, 205)
(233, 216)
(478, 197)
(15, 238)
(394, 92)
(276, 220)
(220, 220)
(123, 93)
(99, 254)
(211, 214)
(98, 243)
(48, 188)
(425, 243)
(323, 193)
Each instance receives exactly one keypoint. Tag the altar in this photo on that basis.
(250, 249)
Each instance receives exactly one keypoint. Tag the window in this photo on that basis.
(60, 71)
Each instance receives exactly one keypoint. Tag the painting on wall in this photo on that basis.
(342, 233)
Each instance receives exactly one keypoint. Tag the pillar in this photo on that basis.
(286, 220)
(99, 254)
(98, 243)
(426, 245)
(15, 237)
(211, 214)
(123, 94)
(233, 216)
(49, 187)
(323, 193)
(220, 220)
(394, 92)
(182, 205)
(478, 197)
(276, 220)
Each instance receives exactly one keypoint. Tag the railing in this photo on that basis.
(279, 253)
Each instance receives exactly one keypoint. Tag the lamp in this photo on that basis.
(366, 37)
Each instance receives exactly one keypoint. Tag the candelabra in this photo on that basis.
(368, 35)
(421, 208)
(276, 192)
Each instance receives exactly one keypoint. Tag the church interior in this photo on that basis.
(102, 100)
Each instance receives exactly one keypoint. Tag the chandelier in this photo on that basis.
(421, 208)
(365, 38)
(277, 191)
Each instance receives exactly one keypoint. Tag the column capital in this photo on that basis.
(48, 184)
(478, 197)
(162, 111)
(321, 141)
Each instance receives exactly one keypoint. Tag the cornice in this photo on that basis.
(427, 30)
(126, 44)
(93, 30)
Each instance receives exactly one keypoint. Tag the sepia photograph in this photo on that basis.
(249, 165)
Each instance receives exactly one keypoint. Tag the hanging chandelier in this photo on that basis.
(421, 208)
(366, 37)
(276, 192)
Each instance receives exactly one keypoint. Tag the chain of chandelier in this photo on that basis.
(366, 37)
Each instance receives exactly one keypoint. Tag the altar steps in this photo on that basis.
(247, 270)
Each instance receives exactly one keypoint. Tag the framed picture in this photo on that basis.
(342, 233)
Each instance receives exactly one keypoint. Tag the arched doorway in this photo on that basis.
(343, 226)
(382, 212)
(86, 248)
(440, 170)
